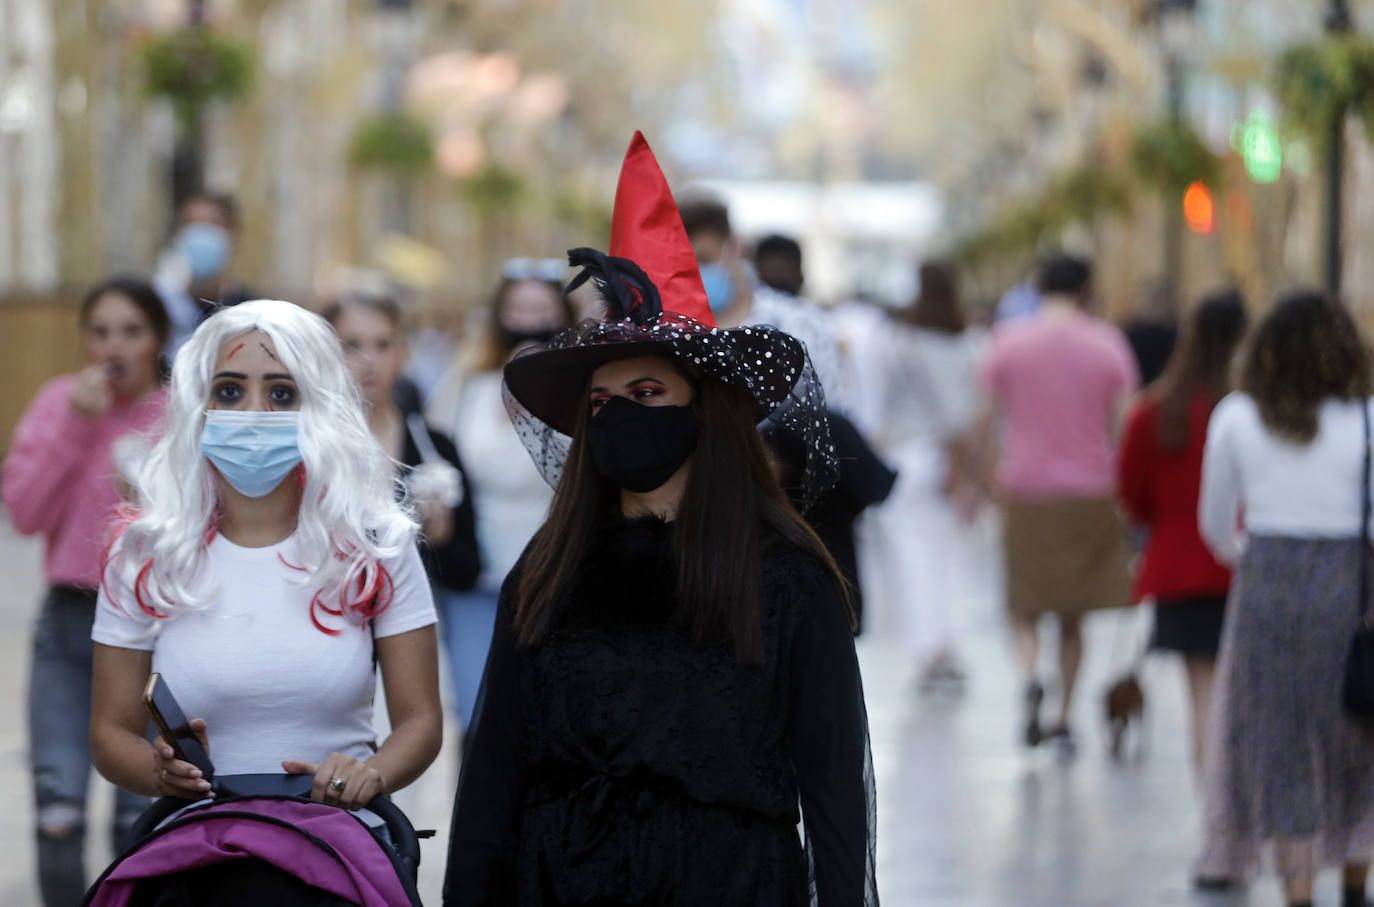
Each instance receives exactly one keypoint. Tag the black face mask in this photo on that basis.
(639, 447)
(512, 338)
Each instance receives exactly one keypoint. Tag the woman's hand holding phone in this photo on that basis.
(340, 780)
(175, 778)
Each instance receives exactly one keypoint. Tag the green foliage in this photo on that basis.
(1086, 193)
(194, 66)
(395, 142)
(582, 214)
(1321, 82)
(493, 188)
(1170, 156)
(1081, 195)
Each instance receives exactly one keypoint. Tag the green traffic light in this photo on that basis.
(1257, 142)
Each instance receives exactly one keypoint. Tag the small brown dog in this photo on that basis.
(1125, 703)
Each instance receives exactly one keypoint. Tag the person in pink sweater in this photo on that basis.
(71, 459)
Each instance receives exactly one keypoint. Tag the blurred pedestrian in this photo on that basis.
(196, 273)
(369, 326)
(1058, 380)
(738, 298)
(510, 498)
(1158, 478)
(672, 687)
(930, 406)
(1021, 300)
(778, 263)
(1286, 765)
(79, 443)
(1152, 331)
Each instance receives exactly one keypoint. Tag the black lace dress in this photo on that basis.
(620, 763)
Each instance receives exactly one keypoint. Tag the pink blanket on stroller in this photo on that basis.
(363, 873)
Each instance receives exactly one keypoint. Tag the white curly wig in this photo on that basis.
(349, 517)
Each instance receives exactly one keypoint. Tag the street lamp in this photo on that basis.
(1174, 18)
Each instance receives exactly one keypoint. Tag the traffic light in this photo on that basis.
(1199, 208)
(1257, 141)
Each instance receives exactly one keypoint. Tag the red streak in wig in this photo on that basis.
(140, 587)
(375, 590)
(125, 517)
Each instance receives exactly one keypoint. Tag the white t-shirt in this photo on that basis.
(269, 684)
(1277, 486)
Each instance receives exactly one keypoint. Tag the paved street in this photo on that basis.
(965, 816)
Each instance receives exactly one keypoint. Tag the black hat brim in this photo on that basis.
(552, 383)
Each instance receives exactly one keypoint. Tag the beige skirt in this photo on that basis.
(1065, 556)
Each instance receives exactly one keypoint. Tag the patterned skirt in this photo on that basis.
(1287, 771)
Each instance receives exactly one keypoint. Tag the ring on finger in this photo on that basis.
(337, 784)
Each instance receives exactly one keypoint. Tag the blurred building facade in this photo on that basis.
(1021, 95)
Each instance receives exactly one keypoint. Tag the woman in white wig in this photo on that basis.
(268, 569)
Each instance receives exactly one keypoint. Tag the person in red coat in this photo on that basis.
(1159, 477)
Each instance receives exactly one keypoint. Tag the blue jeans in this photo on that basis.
(60, 744)
(467, 619)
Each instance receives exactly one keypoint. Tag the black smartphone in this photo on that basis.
(174, 726)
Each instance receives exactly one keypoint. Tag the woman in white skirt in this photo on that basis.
(931, 402)
(1288, 770)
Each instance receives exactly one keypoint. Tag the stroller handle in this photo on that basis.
(405, 843)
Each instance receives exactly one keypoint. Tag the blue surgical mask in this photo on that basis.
(254, 451)
(205, 248)
(720, 286)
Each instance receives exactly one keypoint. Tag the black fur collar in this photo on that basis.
(629, 575)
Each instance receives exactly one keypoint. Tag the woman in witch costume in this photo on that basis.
(672, 684)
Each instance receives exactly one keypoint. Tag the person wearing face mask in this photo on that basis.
(268, 572)
(737, 297)
(195, 274)
(671, 674)
(509, 497)
(73, 451)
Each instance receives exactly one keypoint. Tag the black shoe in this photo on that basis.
(1062, 738)
(1214, 883)
(1035, 694)
(1354, 897)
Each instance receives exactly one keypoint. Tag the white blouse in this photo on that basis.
(510, 499)
(1275, 486)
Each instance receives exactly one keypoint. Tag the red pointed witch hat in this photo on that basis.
(647, 229)
(655, 304)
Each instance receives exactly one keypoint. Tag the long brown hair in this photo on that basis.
(1306, 351)
(937, 306)
(731, 494)
(1200, 362)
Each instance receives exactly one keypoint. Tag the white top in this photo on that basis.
(510, 499)
(1276, 486)
(269, 684)
(810, 324)
(930, 384)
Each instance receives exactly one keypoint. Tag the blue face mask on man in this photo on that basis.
(205, 247)
(254, 451)
(720, 286)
